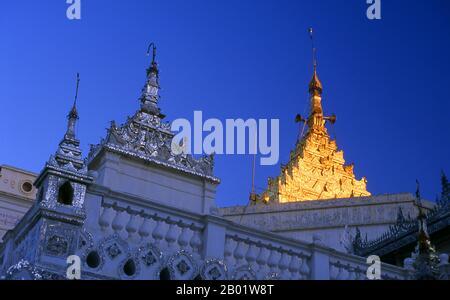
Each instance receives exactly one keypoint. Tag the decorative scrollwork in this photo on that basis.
(182, 266)
(214, 269)
(23, 270)
(244, 273)
(145, 136)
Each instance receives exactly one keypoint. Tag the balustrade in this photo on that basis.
(252, 253)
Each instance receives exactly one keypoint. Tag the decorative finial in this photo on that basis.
(419, 205)
(76, 90)
(73, 114)
(152, 45)
(426, 261)
(150, 92)
(311, 36)
(315, 86)
(154, 66)
(418, 190)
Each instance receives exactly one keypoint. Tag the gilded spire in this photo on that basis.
(316, 120)
(315, 86)
(316, 168)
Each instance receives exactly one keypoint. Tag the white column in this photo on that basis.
(213, 241)
(320, 265)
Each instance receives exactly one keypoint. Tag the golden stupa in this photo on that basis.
(316, 168)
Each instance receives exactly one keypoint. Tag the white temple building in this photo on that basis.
(132, 209)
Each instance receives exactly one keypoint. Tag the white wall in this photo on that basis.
(326, 219)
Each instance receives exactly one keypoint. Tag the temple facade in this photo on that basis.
(134, 209)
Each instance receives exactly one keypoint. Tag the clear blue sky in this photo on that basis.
(387, 81)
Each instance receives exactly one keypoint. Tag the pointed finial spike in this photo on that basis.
(417, 190)
(419, 201)
(153, 47)
(153, 66)
(73, 114)
(315, 86)
(311, 36)
(76, 90)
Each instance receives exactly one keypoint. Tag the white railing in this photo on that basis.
(168, 231)
(174, 234)
(266, 258)
(351, 267)
(247, 253)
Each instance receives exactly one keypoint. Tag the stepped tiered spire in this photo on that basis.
(147, 137)
(150, 92)
(68, 156)
(316, 120)
(64, 179)
(426, 259)
(73, 114)
(316, 169)
(52, 229)
(315, 86)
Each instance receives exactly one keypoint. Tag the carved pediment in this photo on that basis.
(145, 136)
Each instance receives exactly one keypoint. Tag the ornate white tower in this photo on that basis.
(51, 229)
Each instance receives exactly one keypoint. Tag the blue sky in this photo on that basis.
(386, 80)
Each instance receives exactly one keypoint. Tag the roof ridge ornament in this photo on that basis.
(426, 260)
(73, 113)
(311, 36)
(154, 64)
(315, 86)
(150, 92)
